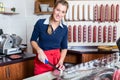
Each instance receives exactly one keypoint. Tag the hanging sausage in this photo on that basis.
(99, 34)
(69, 33)
(78, 12)
(112, 12)
(102, 13)
(114, 33)
(104, 34)
(89, 13)
(83, 12)
(117, 13)
(74, 33)
(94, 33)
(106, 12)
(79, 33)
(73, 12)
(95, 13)
(89, 33)
(110, 33)
(84, 33)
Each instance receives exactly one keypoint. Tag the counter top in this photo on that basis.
(44, 76)
(5, 60)
(90, 49)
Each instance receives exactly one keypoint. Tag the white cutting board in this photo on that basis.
(44, 76)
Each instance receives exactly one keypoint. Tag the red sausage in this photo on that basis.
(110, 33)
(117, 13)
(106, 12)
(74, 33)
(99, 34)
(89, 33)
(69, 33)
(84, 33)
(94, 33)
(114, 33)
(112, 12)
(104, 34)
(79, 33)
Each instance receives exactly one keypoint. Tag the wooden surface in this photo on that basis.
(17, 71)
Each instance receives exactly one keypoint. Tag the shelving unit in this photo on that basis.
(81, 14)
(43, 13)
(8, 13)
(37, 10)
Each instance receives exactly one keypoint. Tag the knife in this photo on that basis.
(47, 62)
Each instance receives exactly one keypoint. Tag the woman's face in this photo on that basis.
(59, 12)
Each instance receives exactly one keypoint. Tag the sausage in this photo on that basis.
(73, 12)
(99, 34)
(117, 13)
(114, 33)
(106, 12)
(79, 33)
(112, 12)
(78, 12)
(88, 12)
(84, 33)
(94, 33)
(101, 13)
(104, 34)
(83, 10)
(69, 33)
(74, 33)
(95, 13)
(89, 33)
(110, 33)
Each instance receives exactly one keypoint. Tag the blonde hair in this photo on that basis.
(63, 2)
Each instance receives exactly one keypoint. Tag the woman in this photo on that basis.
(49, 39)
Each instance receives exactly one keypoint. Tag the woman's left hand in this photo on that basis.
(60, 65)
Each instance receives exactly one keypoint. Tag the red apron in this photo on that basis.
(53, 57)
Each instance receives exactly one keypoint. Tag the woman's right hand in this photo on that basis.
(41, 55)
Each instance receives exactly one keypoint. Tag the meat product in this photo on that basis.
(73, 12)
(104, 34)
(94, 33)
(79, 33)
(15, 56)
(99, 34)
(88, 12)
(106, 12)
(110, 33)
(84, 33)
(78, 12)
(89, 33)
(69, 33)
(117, 13)
(114, 33)
(56, 72)
(112, 12)
(74, 33)
(95, 13)
(102, 13)
(83, 10)
(116, 75)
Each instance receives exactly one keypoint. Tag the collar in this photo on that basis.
(47, 22)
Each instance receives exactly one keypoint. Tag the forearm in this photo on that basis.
(63, 54)
(35, 46)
